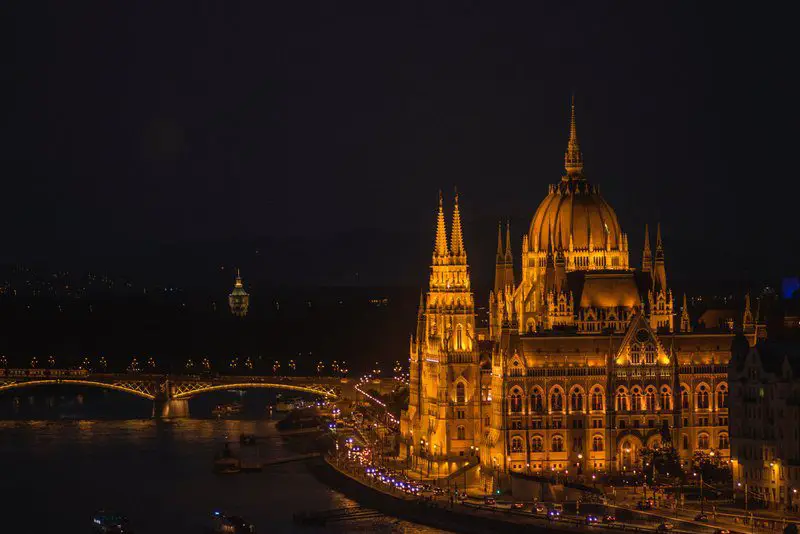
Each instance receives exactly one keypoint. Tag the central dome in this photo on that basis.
(574, 209)
(574, 216)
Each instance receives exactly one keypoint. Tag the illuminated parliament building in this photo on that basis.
(586, 359)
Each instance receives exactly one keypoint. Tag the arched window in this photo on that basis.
(622, 401)
(702, 397)
(537, 401)
(537, 445)
(459, 338)
(636, 399)
(576, 401)
(666, 399)
(558, 444)
(722, 396)
(461, 432)
(516, 444)
(636, 354)
(702, 441)
(556, 401)
(650, 354)
(684, 398)
(460, 393)
(516, 401)
(724, 443)
(597, 443)
(597, 399)
(650, 399)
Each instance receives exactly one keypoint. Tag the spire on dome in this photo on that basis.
(573, 159)
(456, 236)
(238, 282)
(440, 247)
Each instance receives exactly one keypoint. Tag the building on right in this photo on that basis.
(765, 423)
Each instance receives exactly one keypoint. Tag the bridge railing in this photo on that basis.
(43, 373)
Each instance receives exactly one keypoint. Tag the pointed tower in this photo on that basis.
(457, 251)
(748, 324)
(499, 262)
(446, 355)
(686, 323)
(647, 254)
(509, 260)
(659, 270)
(239, 299)
(441, 252)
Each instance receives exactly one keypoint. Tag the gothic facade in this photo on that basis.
(584, 361)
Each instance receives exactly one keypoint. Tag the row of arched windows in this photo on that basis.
(556, 400)
(556, 444)
(638, 399)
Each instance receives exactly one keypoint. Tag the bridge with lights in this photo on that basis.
(171, 393)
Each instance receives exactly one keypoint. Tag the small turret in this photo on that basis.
(686, 324)
(748, 324)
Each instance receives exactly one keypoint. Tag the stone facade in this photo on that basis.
(582, 364)
(765, 423)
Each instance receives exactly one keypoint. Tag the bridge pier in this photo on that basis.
(165, 408)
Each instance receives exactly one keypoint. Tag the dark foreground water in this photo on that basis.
(55, 471)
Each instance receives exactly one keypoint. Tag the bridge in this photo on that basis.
(170, 393)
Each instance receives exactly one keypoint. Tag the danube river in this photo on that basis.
(65, 456)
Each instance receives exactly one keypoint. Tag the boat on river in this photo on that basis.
(230, 524)
(107, 522)
(234, 408)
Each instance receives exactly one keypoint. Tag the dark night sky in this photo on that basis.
(131, 123)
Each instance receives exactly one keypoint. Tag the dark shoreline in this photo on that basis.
(413, 511)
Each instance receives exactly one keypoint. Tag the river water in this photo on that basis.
(62, 457)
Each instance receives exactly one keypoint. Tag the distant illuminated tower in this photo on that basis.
(239, 299)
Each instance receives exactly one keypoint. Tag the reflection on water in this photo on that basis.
(57, 472)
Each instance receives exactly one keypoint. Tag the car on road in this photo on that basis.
(591, 520)
(539, 509)
(489, 501)
(608, 518)
(722, 531)
(701, 517)
(666, 526)
(553, 514)
(517, 505)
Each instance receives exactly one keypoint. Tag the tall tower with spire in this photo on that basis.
(239, 299)
(660, 300)
(444, 368)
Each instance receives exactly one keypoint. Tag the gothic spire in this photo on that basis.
(647, 254)
(456, 236)
(573, 159)
(508, 242)
(238, 282)
(440, 247)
